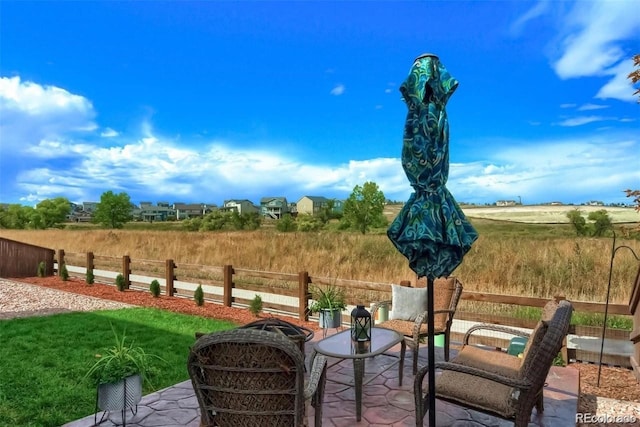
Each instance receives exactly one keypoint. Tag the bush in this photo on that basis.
(255, 306)
(578, 221)
(64, 273)
(120, 284)
(90, 279)
(198, 296)
(155, 288)
(286, 224)
(42, 268)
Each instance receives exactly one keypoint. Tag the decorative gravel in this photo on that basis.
(19, 299)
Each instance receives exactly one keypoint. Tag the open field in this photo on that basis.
(549, 214)
(539, 260)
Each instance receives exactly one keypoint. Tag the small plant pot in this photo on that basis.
(112, 396)
(329, 318)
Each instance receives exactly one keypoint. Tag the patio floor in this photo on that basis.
(384, 402)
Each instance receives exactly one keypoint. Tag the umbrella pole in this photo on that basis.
(431, 353)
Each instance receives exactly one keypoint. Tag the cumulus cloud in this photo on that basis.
(591, 44)
(338, 90)
(33, 112)
(552, 170)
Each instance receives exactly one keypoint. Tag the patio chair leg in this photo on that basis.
(446, 347)
(540, 403)
(522, 419)
(415, 360)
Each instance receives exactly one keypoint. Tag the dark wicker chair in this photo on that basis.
(249, 377)
(497, 383)
(446, 294)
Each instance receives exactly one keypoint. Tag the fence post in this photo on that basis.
(303, 295)
(227, 295)
(60, 259)
(90, 258)
(126, 270)
(169, 276)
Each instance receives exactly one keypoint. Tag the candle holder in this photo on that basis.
(360, 324)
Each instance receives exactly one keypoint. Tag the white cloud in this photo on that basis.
(338, 90)
(33, 112)
(537, 10)
(619, 87)
(591, 43)
(579, 121)
(109, 133)
(590, 107)
(579, 167)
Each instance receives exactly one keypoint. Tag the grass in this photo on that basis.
(540, 260)
(44, 359)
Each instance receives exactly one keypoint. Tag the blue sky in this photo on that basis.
(208, 101)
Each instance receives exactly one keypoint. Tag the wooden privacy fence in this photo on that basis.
(19, 259)
(289, 294)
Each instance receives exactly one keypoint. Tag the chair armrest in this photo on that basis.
(495, 328)
(376, 305)
(316, 377)
(457, 367)
(422, 318)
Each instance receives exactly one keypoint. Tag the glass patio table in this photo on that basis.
(341, 346)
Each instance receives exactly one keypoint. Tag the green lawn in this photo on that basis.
(43, 359)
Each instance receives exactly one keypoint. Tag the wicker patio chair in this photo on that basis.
(497, 383)
(251, 377)
(408, 314)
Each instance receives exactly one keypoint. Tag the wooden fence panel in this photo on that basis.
(19, 259)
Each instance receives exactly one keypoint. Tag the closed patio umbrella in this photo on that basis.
(431, 230)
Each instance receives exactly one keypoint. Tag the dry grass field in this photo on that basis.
(514, 259)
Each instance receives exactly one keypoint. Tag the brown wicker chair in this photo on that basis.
(446, 294)
(249, 377)
(497, 383)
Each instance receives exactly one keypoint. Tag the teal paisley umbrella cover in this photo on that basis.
(431, 230)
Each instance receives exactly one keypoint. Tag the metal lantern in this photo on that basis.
(360, 324)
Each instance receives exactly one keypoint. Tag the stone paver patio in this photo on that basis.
(384, 402)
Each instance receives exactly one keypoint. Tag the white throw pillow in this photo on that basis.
(407, 303)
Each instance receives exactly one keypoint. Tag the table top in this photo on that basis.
(341, 346)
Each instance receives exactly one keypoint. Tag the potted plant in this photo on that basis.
(119, 374)
(328, 302)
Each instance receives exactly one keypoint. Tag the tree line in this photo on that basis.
(362, 211)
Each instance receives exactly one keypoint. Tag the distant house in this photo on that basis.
(148, 212)
(89, 206)
(311, 205)
(595, 203)
(192, 210)
(274, 207)
(506, 203)
(240, 206)
(338, 206)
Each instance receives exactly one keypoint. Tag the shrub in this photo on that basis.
(155, 288)
(198, 296)
(64, 273)
(120, 284)
(255, 306)
(90, 278)
(42, 268)
(286, 224)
